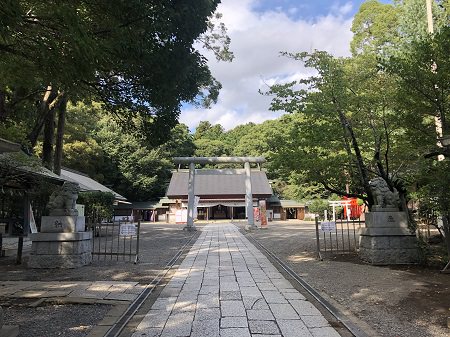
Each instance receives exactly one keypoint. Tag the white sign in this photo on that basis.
(328, 226)
(127, 229)
(181, 216)
(33, 227)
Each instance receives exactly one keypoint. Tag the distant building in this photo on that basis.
(285, 209)
(221, 192)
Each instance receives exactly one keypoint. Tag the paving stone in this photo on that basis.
(230, 295)
(260, 315)
(273, 297)
(250, 292)
(305, 308)
(154, 319)
(164, 303)
(232, 308)
(315, 321)
(235, 332)
(170, 292)
(138, 289)
(208, 328)
(265, 286)
(207, 314)
(293, 295)
(150, 332)
(225, 279)
(210, 289)
(234, 322)
(121, 297)
(283, 311)
(324, 332)
(229, 286)
(57, 293)
(264, 335)
(178, 325)
(293, 328)
(208, 301)
(267, 327)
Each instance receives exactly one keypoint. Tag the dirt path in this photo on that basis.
(400, 301)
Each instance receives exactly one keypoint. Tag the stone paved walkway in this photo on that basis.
(98, 290)
(226, 287)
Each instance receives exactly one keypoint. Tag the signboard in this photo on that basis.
(127, 229)
(263, 214)
(328, 226)
(256, 214)
(33, 227)
(181, 216)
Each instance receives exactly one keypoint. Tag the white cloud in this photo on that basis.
(257, 40)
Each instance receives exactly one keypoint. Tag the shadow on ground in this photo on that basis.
(158, 244)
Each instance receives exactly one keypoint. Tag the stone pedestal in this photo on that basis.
(62, 224)
(387, 239)
(60, 250)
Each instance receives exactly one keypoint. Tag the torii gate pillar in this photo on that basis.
(216, 160)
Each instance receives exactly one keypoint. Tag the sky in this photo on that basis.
(259, 31)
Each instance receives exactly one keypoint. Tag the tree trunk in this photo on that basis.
(49, 135)
(446, 225)
(60, 135)
(2, 105)
(50, 101)
(359, 159)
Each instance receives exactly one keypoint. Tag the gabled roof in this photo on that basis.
(291, 203)
(147, 205)
(86, 183)
(7, 146)
(228, 182)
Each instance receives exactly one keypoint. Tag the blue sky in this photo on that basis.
(307, 9)
(259, 31)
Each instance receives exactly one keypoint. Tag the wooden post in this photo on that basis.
(319, 256)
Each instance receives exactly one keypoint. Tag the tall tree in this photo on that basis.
(135, 57)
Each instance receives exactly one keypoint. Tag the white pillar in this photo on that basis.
(191, 196)
(334, 212)
(249, 196)
(347, 211)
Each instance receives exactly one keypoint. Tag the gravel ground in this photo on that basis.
(54, 320)
(392, 301)
(158, 244)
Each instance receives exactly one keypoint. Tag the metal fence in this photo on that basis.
(337, 237)
(115, 241)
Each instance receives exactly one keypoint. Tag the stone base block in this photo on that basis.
(60, 250)
(62, 224)
(384, 250)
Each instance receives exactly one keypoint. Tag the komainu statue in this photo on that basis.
(383, 196)
(63, 200)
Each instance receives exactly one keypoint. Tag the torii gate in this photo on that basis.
(191, 161)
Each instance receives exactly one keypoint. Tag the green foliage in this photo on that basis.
(98, 205)
(317, 206)
(136, 58)
(374, 27)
